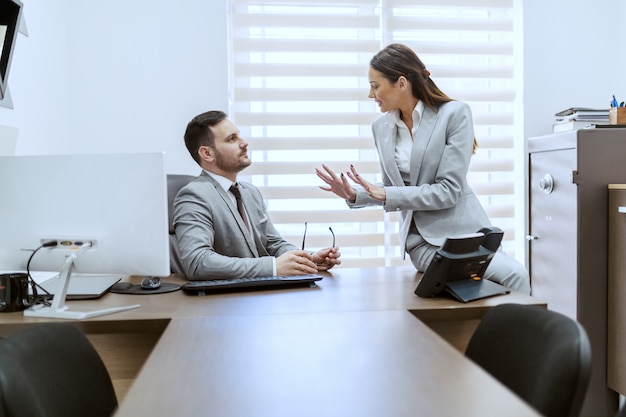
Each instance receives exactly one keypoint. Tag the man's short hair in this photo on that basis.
(199, 133)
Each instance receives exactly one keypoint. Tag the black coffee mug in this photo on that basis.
(14, 294)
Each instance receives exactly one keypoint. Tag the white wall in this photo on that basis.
(117, 76)
(573, 56)
(127, 75)
(38, 80)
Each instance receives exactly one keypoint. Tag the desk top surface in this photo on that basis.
(341, 290)
(368, 363)
(348, 347)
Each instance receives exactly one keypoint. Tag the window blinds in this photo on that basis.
(299, 95)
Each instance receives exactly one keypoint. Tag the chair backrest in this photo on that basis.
(542, 355)
(174, 183)
(52, 370)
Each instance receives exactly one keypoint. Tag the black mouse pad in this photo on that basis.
(136, 289)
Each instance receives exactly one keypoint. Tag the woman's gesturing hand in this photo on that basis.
(373, 190)
(337, 184)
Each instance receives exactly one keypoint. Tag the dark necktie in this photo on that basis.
(235, 190)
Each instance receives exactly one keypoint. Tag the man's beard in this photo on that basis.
(229, 165)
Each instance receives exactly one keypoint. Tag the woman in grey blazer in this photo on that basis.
(425, 141)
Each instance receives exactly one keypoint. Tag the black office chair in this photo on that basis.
(52, 370)
(542, 355)
(174, 183)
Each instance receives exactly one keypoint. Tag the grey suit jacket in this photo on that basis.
(213, 240)
(438, 199)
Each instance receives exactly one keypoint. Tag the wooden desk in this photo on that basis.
(125, 340)
(373, 363)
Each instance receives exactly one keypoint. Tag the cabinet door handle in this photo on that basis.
(621, 209)
(547, 183)
(531, 237)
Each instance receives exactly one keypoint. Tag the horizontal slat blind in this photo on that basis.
(299, 94)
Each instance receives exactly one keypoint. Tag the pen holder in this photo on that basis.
(617, 116)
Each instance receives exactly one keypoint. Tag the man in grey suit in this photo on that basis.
(225, 233)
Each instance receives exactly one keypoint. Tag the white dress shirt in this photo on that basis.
(405, 139)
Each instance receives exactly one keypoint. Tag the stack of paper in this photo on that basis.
(580, 118)
(582, 113)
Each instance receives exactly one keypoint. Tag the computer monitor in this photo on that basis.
(10, 12)
(104, 214)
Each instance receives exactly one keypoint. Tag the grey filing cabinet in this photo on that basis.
(616, 340)
(569, 173)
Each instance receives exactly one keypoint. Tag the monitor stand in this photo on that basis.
(58, 309)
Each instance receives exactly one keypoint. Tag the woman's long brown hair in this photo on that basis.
(396, 60)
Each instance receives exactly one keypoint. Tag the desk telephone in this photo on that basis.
(459, 265)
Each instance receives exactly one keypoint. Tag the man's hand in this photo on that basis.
(327, 258)
(295, 262)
